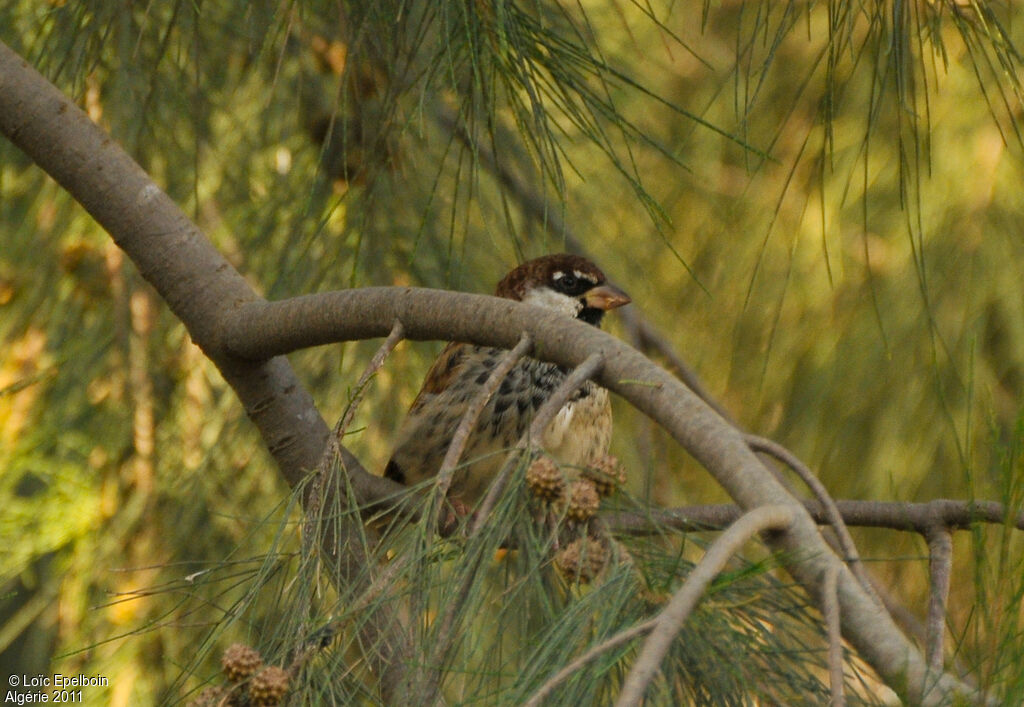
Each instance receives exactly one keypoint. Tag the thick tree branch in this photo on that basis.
(171, 253)
(188, 273)
(260, 329)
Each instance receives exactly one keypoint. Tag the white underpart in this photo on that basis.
(581, 431)
(549, 299)
(554, 435)
(563, 439)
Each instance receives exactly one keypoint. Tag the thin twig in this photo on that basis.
(648, 339)
(446, 633)
(830, 610)
(590, 367)
(332, 452)
(674, 615)
(603, 647)
(940, 561)
(893, 515)
(383, 582)
(835, 518)
(429, 683)
(328, 465)
(473, 411)
(392, 340)
(545, 414)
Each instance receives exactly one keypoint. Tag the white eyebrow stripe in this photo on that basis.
(558, 275)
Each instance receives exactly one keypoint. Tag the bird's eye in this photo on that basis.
(566, 283)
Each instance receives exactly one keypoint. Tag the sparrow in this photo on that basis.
(579, 433)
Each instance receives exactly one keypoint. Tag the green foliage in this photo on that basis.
(818, 204)
(498, 622)
(998, 553)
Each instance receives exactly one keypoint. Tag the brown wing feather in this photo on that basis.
(444, 371)
(441, 374)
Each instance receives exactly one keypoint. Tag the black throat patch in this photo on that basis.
(591, 315)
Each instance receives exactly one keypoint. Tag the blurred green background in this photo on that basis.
(818, 205)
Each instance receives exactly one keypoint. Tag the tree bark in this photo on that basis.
(199, 286)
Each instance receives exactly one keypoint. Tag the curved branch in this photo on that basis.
(835, 518)
(684, 601)
(258, 329)
(572, 668)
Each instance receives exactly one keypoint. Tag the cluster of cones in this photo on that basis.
(251, 683)
(577, 501)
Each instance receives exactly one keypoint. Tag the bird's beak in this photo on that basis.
(605, 297)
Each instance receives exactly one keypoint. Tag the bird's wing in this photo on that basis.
(441, 374)
(427, 429)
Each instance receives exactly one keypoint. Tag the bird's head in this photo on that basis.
(566, 283)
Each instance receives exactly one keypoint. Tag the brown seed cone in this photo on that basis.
(214, 696)
(583, 501)
(582, 559)
(240, 661)
(545, 479)
(607, 474)
(268, 687)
